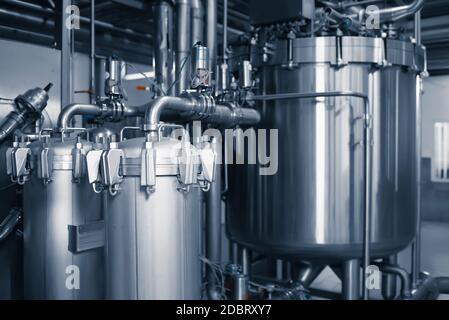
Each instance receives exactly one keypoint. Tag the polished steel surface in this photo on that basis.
(153, 240)
(313, 207)
(48, 210)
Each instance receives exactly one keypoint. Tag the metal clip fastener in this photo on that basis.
(148, 168)
(207, 158)
(110, 169)
(20, 166)
(188, 165)
(78, 161)
(45, 164)
(93, 159)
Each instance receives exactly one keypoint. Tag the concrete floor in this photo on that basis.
(434, 258)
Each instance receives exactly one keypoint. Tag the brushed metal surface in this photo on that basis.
(48, 210)
(313, 207)
(153, 242)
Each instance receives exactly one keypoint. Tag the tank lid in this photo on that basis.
(340, 51)
(48, 155)
(167, 153)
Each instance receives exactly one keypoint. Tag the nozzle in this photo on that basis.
(48, 87)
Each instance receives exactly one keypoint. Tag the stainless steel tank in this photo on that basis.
(153, 227)
(57, 199)
(312, 208)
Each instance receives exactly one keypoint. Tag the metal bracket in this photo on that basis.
(207, 158)
(110, 169)
(18, 166)
(45, 164)
(188, 165)
(86, 237)
(78, 162)
(93, 159)
(148, 168)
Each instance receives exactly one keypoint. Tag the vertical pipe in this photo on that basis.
(245, 260)
(163, 46)
(235, 252)
(66, 54)
(213, 227)
(351, 280)
(367, 194)
(212, 37)
(416, 247)
(225, 29)
(197, 21)
(279, 270)
(389, 283)
(92, 52)
(183, 45)
(417, 23)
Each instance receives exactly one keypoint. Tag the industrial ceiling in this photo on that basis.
(124, 27)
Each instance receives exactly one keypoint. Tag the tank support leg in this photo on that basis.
(351, 280)
(389, 281)
(245, 260)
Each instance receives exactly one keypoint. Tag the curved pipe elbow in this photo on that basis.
(397, 13)
(72, 110)
(154, 111)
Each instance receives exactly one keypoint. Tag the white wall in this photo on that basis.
(435, 108)
(24, 66)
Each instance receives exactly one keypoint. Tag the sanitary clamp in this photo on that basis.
(17, 162)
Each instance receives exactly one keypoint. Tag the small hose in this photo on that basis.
(9, 223)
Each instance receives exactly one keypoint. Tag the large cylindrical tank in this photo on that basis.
(153, 238)
(312, 208)
(55, 199)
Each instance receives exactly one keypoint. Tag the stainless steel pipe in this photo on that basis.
(201, 107)
(213, 229)
(197, 29)
(397, 13)
(351, 280)
(432, 288)
(225, 29)
(403, 275)
(163, 46)
(212, 36)
(67, 114)
(183, 45)
(389, 280)
(92, 52)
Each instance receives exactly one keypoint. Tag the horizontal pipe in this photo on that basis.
(67, 114)
(199, 107)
